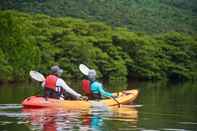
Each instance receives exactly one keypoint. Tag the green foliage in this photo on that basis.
(39, 41)
(18, 50)
(142, 51)
(171, 55)
(181, 52)
(5, 69)
(152, 16)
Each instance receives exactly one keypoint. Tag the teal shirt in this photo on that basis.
(97, 88)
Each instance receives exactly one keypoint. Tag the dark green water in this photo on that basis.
(160, 106)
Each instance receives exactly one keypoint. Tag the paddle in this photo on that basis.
(37, 76)
(84, 70)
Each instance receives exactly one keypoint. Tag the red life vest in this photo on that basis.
(50, 82)
(86, 87)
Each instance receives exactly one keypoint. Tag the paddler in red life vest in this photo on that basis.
(94, 89)
(55, 87)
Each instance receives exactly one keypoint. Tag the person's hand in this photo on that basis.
(83, 98)
(126, 93)
(114, 96)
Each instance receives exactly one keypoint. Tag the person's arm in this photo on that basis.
(103, 92)
(62, 84)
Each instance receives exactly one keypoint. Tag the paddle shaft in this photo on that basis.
(116, 101)
(38, 92)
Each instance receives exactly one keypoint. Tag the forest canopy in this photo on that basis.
(39, 41)
(150, 16)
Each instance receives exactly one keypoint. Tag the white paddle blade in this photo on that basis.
(36, 76)
(84, 69)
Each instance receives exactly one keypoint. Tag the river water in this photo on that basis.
(160, 106)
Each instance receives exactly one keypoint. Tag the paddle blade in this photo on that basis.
(84, 69)
(36, 76)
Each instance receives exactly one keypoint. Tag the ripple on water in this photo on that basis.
(142, 129)
(10, 106)
(12, 114)
(11, 110)
(188, 123)
(5, 122)
(169, 129)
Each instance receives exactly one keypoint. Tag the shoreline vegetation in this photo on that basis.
(37, 41)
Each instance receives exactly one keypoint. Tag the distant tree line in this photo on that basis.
(150, 16)
(39, 41)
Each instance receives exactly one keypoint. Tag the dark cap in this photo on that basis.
(56, 69)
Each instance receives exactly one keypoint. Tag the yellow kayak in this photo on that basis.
(124, 97)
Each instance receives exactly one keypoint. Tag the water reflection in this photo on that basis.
(94, 122)
(48, 119)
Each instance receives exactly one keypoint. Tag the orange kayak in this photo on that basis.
(125, 97)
